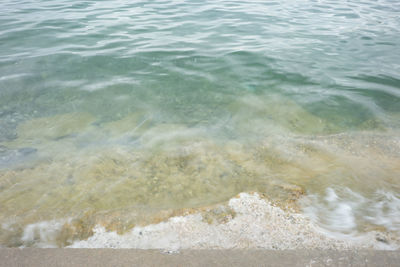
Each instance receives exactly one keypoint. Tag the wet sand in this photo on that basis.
(133, 257)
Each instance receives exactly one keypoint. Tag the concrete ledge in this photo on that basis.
(11, 257)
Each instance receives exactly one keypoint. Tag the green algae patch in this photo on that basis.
(52, 128)
(266, 114)
(55, 127)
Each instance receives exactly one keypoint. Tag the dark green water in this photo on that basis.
(141, 106)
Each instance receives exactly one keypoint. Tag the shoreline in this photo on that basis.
(205, 172)
(247, 221)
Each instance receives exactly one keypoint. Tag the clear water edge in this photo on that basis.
(124, 109)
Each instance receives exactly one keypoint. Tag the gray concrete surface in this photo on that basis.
(11, 257)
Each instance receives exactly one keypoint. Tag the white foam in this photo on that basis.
(42, 234)
(257, 224)
(384, 210)
(345, 213)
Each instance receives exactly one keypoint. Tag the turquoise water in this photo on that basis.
(138, 106)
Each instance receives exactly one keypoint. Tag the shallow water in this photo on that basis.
(122, 113)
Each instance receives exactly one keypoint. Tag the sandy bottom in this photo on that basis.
(78, 181)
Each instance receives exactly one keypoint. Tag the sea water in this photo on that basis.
(123, 114)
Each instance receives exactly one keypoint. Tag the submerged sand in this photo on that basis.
(77, 178)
